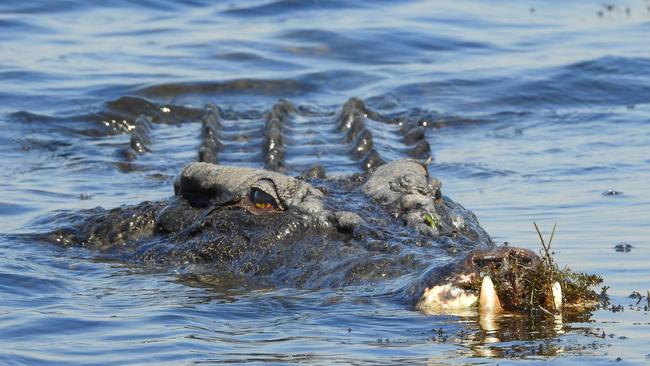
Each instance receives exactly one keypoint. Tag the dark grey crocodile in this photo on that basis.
(388, 226)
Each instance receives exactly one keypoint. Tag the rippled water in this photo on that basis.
(533, 109)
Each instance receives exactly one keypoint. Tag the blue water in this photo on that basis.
(535, 110)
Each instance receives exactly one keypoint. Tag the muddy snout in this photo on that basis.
(491, 280)
(503, 256)
(517, 275)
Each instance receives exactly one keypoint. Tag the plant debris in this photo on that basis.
(430, 220)
(525, 284)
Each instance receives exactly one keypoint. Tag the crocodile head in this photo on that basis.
(392, 226)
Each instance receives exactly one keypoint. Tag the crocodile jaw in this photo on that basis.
(448, 298)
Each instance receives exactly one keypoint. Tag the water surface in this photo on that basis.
(534, 110)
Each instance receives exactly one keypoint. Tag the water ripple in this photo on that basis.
(531, 111)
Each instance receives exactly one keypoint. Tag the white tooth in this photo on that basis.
(556, 289)
(488, 301)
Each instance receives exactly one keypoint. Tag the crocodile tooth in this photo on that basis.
(556, 289)
(488, 299)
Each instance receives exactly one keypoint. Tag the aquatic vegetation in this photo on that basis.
(538, 284)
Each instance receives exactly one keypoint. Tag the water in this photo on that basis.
(535, 109)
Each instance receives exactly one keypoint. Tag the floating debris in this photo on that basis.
(623, 247)
(612, 192)
(636, 295)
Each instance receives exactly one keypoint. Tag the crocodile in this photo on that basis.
(388, 226)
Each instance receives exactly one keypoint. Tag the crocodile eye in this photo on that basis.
(262, 200)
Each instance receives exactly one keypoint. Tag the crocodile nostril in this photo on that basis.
(488, 259)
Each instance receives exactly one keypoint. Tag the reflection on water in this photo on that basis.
(530, 110)
(496, 329)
